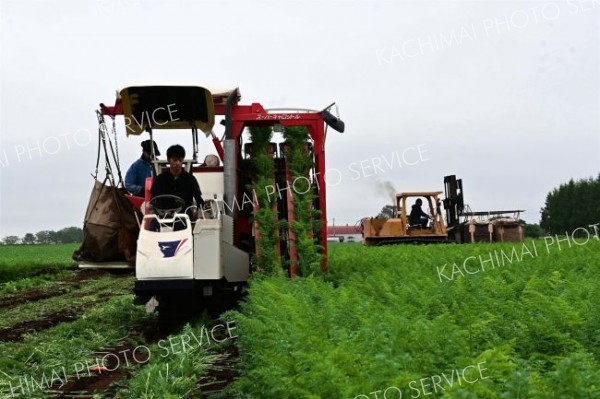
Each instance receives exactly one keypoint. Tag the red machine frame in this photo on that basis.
(242, 116)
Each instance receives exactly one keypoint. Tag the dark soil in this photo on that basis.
(36, 294)
(222, 373)
(107, 381)
(16, 332)
(93, 381)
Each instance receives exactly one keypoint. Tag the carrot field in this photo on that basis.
(384, 322)
(18, 261)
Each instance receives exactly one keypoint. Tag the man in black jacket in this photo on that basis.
(417, 216)
(176, 181)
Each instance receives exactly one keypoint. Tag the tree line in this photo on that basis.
(572, 205)
(64, 236)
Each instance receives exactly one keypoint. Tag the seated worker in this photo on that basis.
(176, 181)
(417, 216)
(135, 179)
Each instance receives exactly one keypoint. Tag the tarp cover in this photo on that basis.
(110, 228)
(167, 107)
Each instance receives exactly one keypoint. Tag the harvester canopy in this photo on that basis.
(167, 107)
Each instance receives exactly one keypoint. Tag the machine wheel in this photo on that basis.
(177, 308)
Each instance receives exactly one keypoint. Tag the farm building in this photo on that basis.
(345, 233)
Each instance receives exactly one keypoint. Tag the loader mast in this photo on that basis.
(453, 203)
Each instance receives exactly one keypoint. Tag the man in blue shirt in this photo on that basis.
(135, 179)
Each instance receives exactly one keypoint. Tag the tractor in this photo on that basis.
(191, 259)
(379, 231)
(398, 229)
(461, 224)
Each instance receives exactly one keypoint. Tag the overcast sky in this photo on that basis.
(504, 94)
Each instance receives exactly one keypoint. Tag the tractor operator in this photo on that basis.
(135, 179)
(417, 216)
(176, 181)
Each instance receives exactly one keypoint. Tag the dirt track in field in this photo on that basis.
(96, 379)
(16, 332)
(103, 381)
(91, 380)
(222, 373)
(116, 360)
(36, 294)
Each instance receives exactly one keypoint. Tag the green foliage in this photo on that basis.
(20, 261)
(306, 219)
(387, 212)
(68, 344)
(11, 240)
(28, 239)
(88, 294)
(68, 235)
(173, 374)
(534, 231)
(306, 223)
(571, 206)
(382, 318)
(267, 259)
(42, 281)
